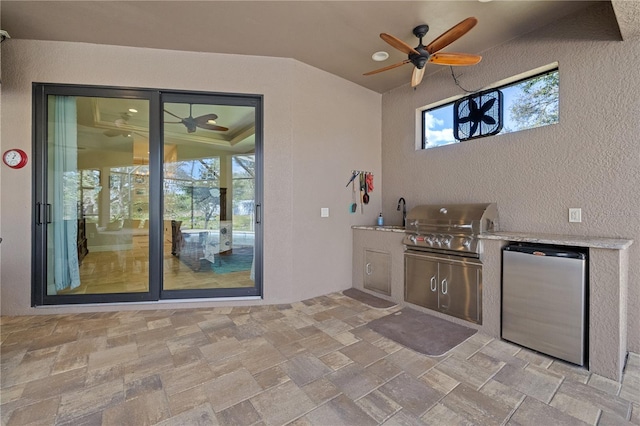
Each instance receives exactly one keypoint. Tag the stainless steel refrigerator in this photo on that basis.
(544, 300)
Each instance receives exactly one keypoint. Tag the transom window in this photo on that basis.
(529, 101)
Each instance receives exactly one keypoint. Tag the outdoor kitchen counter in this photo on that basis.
(608, 282)
(384, 228)
(565, 240)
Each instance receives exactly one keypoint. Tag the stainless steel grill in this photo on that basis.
(443, 269)
(450, 229)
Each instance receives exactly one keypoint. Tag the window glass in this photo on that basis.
(244, 193)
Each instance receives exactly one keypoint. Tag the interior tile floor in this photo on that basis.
(308, 363)
(127, 271)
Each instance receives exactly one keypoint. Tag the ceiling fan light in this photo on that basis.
(133, 110)
(211, 121)
(380, 56)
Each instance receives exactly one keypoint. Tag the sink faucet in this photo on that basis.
(404, 210)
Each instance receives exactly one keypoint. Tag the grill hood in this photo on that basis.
(450, 228)
(482, 217)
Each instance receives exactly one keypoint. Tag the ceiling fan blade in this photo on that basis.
(212, 127)
(455, 59)
(204, 118)
(398, 44)
(451, 35)
(416, 77)
(170, 113)
(203, 122)
(390, 67)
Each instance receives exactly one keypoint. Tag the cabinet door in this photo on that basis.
(377, 271)
(459, 287)
(421, 281)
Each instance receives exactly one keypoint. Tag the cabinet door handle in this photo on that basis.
(444, 286)
(367, 268)
(434, 284)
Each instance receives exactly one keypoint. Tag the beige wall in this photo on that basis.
(591, 159)
(317, 128)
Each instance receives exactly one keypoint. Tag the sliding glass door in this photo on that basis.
(142, 195)
(209, 217)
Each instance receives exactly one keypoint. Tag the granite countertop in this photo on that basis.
(384, 228)
(573, 240)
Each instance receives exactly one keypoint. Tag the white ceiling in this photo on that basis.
(336, 36)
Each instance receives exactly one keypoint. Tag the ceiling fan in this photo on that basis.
(420, 55)
(206, 121)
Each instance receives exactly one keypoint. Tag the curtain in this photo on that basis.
(64, 201)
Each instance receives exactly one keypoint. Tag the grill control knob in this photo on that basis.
(446, 239)
(466, 242)
(412, 238)
(429, 238)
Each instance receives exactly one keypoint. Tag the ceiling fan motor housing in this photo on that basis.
(419, 60)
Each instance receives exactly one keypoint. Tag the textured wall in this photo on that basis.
(590, 159)
(312, 142)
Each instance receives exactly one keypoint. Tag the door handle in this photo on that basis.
(367, 268)
(43, 213)
(445, 286)
(434, 284)
(38, 213)
(258, 213)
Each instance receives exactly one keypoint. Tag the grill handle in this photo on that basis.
(442, 225)
(434, 283)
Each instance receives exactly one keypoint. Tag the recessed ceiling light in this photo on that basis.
(133, 110)
(380, 56)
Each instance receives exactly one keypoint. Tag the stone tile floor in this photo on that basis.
(308, 363)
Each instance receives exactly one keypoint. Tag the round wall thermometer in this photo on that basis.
(15, 158)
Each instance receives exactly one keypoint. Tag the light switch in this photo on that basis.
(575, 215)
(324, 212)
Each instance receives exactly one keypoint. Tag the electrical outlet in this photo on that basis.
(575, 215)
(324, 212)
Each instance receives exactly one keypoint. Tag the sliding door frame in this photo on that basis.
(156, 98)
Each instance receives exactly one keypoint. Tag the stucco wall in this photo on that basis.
(590, 159)
(317, 128)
